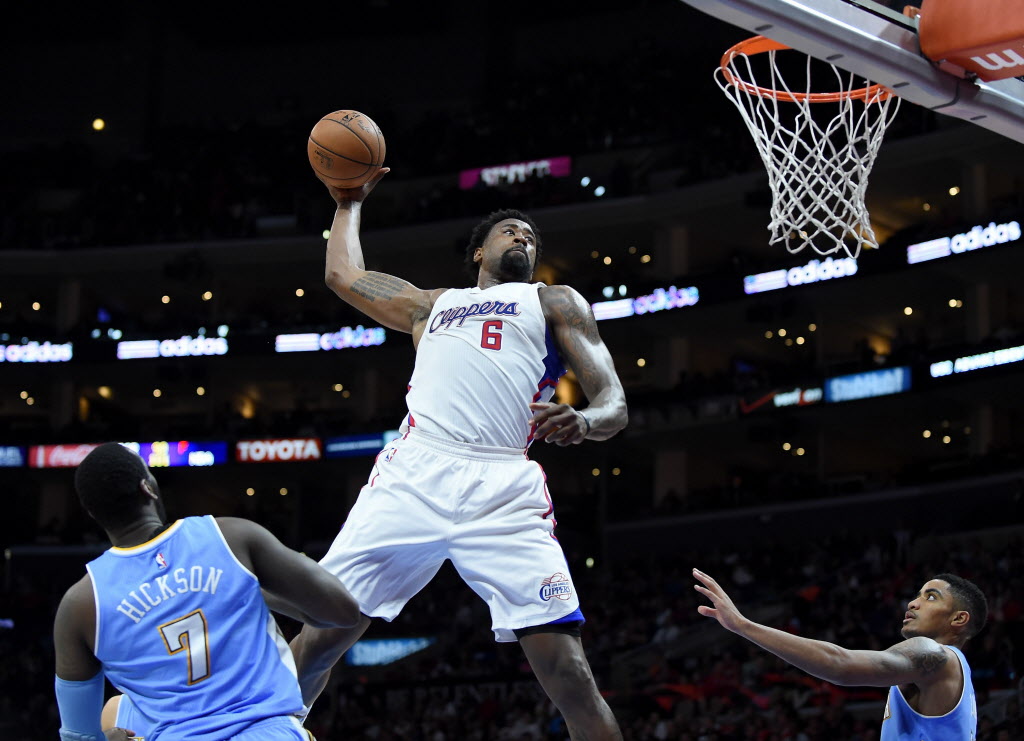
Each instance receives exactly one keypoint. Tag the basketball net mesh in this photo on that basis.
(818, 172)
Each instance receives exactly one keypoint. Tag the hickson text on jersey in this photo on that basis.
(181, 580)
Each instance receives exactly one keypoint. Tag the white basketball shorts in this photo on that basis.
(487, 509)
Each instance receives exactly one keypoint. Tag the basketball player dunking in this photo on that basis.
(458, 484)
(930, 692)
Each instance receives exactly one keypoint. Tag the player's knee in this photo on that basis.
(571, 682)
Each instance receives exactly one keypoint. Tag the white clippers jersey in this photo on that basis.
(483, 357)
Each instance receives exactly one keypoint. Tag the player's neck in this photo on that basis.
(951, 641)
(490, 281)
(138, 532)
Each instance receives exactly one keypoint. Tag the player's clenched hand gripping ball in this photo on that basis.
(346, 148)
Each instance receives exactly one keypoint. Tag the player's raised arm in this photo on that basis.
(395, 303)
(581, 349)
(917, 660)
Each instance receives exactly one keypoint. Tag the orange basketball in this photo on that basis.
(346, 148)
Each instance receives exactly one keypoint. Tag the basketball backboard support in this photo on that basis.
(881, 45)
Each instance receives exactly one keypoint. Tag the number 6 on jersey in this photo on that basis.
(490, 339)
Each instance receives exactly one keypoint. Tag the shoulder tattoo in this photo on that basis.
(581, 337)
(578, 319)
(925, 658)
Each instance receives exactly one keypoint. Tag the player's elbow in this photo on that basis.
(845, 670)
(611, 425)
(335, 280)
(619, 418)
(841, 676)
(622, 417)
(343, 613)
(350, 614)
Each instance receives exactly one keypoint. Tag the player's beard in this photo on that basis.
(515, 267)
(909, 630)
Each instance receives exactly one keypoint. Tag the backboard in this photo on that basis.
(869, 39)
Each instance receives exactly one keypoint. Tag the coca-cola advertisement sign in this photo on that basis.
(275, 450)
(58, 456)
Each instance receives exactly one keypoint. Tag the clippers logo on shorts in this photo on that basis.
(556, 586)
(161, 561)
(459, 314)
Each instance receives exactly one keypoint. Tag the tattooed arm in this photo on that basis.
(393, 302)
(920, 661)
(582, 350)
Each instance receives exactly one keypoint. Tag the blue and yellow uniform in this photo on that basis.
(168, 615)
(903, 723)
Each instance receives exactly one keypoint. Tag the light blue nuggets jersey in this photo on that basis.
(182, 628)
(903, 723)
(483, 357)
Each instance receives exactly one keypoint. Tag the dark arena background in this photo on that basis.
(822, 445)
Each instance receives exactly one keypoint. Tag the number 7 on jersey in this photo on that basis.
(189, 634)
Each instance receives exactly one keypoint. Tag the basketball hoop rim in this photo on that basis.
(761, 45)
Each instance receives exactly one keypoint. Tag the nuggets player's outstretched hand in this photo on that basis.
(558, 423)
(723, 610)
(343, 196)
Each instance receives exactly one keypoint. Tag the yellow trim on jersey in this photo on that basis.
(164, 534)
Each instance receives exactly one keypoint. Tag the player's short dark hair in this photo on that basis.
(481, 230)
(970, 598)
(107, 482)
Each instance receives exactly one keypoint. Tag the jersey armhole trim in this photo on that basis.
(96, 609)
(963, 691)
(227, 548)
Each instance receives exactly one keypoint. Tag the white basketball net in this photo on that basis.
(818, 173)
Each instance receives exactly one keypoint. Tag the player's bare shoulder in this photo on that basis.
(79, 596)
(422, 312)
(74, 625)
(564, 306)
(927, 656)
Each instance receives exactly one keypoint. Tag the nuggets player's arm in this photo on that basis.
(395, 303)
(581, 348)
(300, 587)
(74, 629)
(919, 660)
